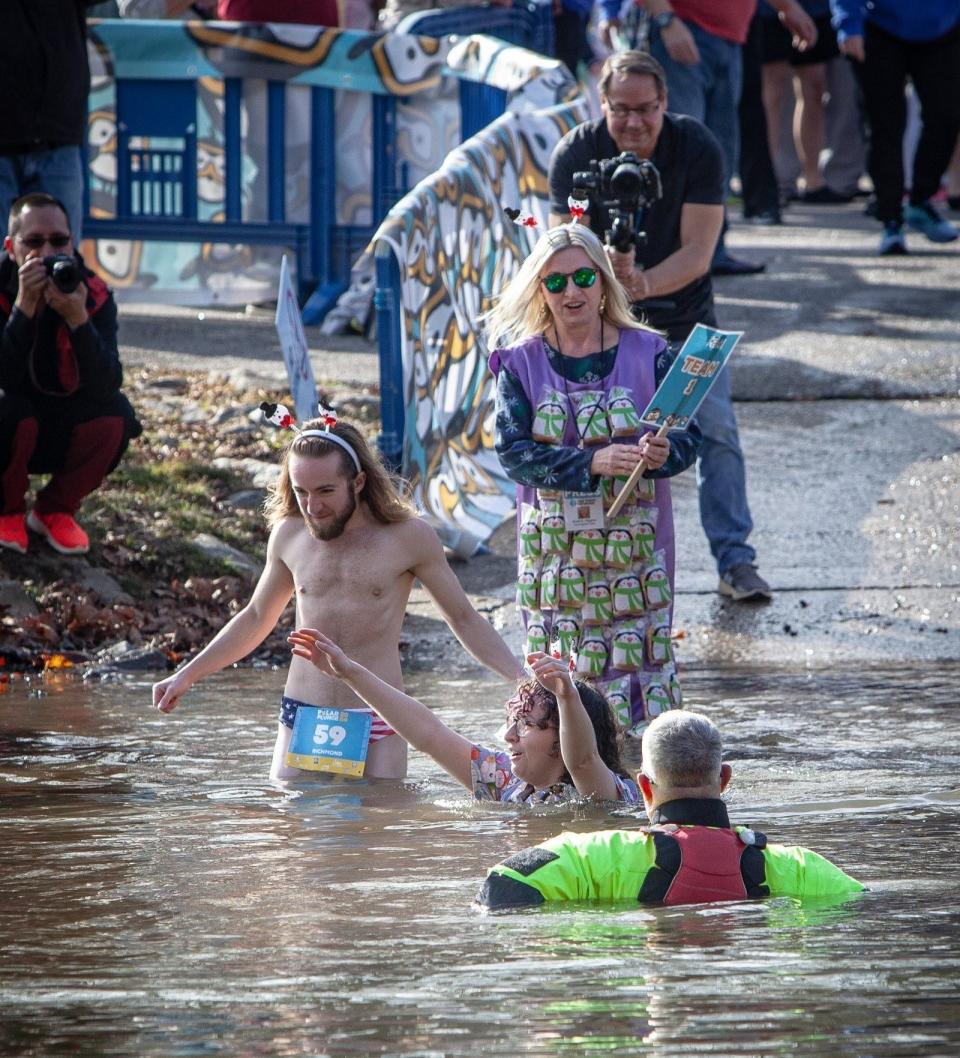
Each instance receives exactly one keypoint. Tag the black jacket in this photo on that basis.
(42, 359)
(44, 75)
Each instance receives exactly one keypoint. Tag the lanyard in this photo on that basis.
(566, 390)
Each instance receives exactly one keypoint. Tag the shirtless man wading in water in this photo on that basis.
(350, 549)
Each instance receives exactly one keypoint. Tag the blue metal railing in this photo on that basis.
(386, 301)
(157, 183)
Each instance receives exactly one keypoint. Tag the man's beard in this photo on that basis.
(335, 528)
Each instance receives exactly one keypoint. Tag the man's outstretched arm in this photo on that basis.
(241, 634)
(700, 226)
(475, 632)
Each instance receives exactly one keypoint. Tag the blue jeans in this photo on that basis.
(708, 91)
(58, 171)
(722, 478)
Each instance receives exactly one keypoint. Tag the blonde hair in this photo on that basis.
(521, 310)
(381, 492)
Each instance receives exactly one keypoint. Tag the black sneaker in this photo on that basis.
(764, 217)
(725, 265)
(744, 584)
(825, 196)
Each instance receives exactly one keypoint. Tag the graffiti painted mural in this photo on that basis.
(357, 65)
(455, 245)
(456, 249)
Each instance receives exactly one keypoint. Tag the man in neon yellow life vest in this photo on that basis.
(689, 854)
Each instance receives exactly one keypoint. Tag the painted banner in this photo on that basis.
(422, 71)
(457, 248)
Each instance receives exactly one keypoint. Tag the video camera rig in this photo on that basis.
(621, 186)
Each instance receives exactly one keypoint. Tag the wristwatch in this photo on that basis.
(664, 19)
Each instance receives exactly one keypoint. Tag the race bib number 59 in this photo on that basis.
(333, 740)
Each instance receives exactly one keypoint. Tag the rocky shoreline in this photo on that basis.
(176, 534)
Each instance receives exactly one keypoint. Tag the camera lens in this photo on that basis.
(64, 271)
(626, 180)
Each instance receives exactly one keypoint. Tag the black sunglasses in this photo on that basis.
(34, 242)
(556, 282)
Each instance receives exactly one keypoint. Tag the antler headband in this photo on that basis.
(279, 416)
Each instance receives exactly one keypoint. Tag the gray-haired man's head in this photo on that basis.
(682, 750)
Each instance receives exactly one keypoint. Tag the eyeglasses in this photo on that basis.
(523, 725)
(35, 242)
(556, 282)
(644, 110)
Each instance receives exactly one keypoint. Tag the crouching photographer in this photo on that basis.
(61, 409)
(666, 272)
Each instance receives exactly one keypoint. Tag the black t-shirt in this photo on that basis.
(690, 164)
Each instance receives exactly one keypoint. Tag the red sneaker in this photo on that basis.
(13, 532)
(61, 531)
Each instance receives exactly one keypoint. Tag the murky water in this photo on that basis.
(159, 897)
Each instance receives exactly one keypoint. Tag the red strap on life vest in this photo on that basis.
(709, 866)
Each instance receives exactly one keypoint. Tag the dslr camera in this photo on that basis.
(64, 270)
(620, 186)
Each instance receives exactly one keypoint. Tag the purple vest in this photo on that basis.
(633, 369)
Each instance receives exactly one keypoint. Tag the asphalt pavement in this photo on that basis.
(847, 385)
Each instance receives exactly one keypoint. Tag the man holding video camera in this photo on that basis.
(666, 270)
(61, 409)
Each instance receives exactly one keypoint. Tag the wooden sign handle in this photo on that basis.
(631, 482)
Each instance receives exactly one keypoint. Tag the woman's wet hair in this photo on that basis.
(605, 727)
(381, 492)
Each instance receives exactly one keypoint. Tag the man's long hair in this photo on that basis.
(381, 494)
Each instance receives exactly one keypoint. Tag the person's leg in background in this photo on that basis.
(776, 79)
(953, 178)
(18, 441)
(686, 83)
(59, 172)
(724, 510)
(934, 67)
(778, 107)
(722, 484)
(571, 45)
(10, 180)
(78, 444)
(725, 64)
(846, 148)
(882, 78)
(758, 181)
(811, 81)
(710, 92)
(809, 131)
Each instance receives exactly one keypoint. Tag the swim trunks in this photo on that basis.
(288, 711)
